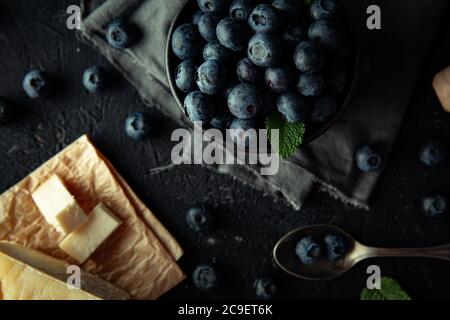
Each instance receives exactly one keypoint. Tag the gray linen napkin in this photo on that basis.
(390, 62)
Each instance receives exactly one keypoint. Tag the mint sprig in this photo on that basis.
(390, 290)
(290, 134)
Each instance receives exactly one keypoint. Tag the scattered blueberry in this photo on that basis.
(215, 51)
(308, 57)
(279, 79)
(207, 26)
(264, 50)
(241, 9)
(264, 19)
(186, 41)
(94, 79)
(434, 153)
(336, 247)
(308, 251)
(293, 107)
(199, 107)
(211, 77)
(324, 108)
(324, 9)
(293, 35)
(198, 218)
(216, 6)
(7, 110)
(242, 134)
(37, 84)
(137, 126)
(326, 34)
(248, 72)
(185, 76)
(290, 8)
(337, 78)
(265, 288)
(368, 159)
(204, 277)
(245, 101)
(121, 34)
(196, 17)
(222, 121)
(233, 33)
(310, 85)
(435, 205)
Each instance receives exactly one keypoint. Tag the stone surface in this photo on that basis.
(33, 34)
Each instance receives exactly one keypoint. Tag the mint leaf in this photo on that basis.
(290, 134)
(390, 290)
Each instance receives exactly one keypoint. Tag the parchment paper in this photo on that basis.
(133, 258)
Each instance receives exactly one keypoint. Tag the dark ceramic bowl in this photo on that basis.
(312, 131)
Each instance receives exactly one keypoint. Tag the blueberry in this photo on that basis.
(215, 51)
(199, 107)
(293, 35)
(265, 288)
(37, 84)
(326, 34)
(204, 277)
(324, 108)
(336, 247)
(308, 57)
(324, 9)
(207, 26)
(308, 251)
(245, 101)
(290, 8)
(241, 9)
(248, 72)
(94, 79)
(222, 121)
(213, 5)
(279, 79)
(196, 17)
(368, 159)
(293, 107)
(121, 34)
(185, 76)
(434, 205)
(242, 134)
(337, 78)
(137, 126)
(310, 85)
(264, 50)
(264, 19)
(186, 41)
(211, 77)
(233, 33)
(7, 110)
(434, 153)
(198, 218)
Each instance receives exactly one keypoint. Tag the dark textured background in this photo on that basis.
(33, 35)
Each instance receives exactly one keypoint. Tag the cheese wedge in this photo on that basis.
(82, 242)
(26, 274)
(58, 206)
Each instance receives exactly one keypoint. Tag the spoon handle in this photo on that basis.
(439, 252)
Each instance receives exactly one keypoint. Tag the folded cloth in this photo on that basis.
(390, 62)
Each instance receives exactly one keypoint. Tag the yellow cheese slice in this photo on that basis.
(81, 243)
(58, 206)
(26, 274)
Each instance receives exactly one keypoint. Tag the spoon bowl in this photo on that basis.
(286, 258)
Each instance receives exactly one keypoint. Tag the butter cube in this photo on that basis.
(82, 242)
(441, 85)
(58, 206)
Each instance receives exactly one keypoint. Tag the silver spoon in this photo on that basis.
(285, 257)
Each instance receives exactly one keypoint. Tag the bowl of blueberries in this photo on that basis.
(233, 63)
